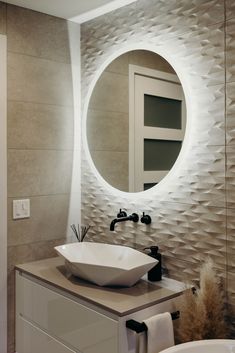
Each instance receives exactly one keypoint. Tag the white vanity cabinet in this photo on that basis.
(45, 317)
(53, 319)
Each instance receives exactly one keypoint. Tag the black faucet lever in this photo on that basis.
(146, 219)
(121, 214)
(133, 217)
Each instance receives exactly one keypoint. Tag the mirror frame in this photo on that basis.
(109, 58)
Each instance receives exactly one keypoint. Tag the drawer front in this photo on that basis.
(66, 320)
(30, 339)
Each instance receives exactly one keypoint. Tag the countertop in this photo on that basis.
(120, 301)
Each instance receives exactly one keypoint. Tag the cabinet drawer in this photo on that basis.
(31, 339)
(66, 320)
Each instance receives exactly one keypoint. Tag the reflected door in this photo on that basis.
(159, 126)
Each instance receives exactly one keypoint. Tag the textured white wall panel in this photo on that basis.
(230, 119)
(230, 49)
(187, 36)
(191, 208)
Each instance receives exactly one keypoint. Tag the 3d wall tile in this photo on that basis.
(230, 176)
(230, 50)
(197, 50)
(230, 113)
(192, 209)
(230, 9)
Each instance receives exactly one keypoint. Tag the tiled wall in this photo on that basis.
(193, 209)
(40, 135)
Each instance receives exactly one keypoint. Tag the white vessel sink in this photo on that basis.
(106, 264)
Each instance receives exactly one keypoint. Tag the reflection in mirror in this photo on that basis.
(136, 121)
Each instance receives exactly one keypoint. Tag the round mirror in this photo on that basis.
(136, 121)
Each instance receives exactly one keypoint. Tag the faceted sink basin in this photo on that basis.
(106, 264)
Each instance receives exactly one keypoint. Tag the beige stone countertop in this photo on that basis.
(118, 300)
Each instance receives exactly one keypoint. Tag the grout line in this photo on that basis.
(39, 57)
(39, 195)
(32, 243)
(39, 149)
(41, 103)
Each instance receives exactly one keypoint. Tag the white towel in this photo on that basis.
(160, 333)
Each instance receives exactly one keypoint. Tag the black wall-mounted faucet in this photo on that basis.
(122, 217)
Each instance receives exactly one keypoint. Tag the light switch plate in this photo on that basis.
(21, 209)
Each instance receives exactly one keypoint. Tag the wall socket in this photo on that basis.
(21, 209)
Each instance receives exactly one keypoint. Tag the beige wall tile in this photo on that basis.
(230, 176)
(108, 131)
(37, 80)
(192, 232)
(186, 270)
(111, 93)
(114, 166)
(29, 252)
(48, 220)
(230, 50)
(230, 8)
(230, 111)
(187, 234)
(39, 172)
(37, 34)
(2, 18)
(190, 272)
(38, 126)
(231, 241)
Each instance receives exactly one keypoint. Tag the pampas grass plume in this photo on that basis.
(202, 313)
(211, 296)
(192, 318)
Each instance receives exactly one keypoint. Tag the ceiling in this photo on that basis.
(75, 10)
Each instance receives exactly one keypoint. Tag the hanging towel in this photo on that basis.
(160, 334)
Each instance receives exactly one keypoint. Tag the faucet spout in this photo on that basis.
(133, 217)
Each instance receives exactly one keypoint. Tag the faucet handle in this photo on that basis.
(146, 219)
(121, 214)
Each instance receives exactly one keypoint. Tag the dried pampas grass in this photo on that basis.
(192, 318)
(202, 313)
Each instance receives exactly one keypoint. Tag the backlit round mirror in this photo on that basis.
(136, 121)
